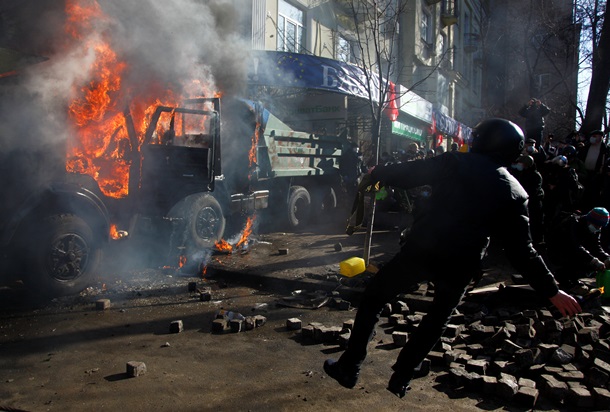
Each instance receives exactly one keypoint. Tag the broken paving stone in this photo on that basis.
(602, 397)
(348, 324)
(293, 324)
(219, 325)
(344, 305)
(176, 326)
(400, 338)
(580, 397)
(526, 396)
(102, 304)
(135, 368)
(205, 296)
(236, 325)
(338, 247)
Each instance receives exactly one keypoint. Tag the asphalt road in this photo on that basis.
(66, 355)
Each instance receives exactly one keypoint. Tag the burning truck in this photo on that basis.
(104, 143)
(175, 189)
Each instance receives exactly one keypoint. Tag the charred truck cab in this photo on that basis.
(53, 236)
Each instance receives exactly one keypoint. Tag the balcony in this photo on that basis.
(449, 12)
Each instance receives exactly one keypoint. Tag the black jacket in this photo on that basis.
(571, 242)
(534, 115)
(473, 198)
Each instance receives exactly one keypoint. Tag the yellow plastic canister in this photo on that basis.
(352, 267)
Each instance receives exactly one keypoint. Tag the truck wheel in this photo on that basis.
(299, 207)
(205, 222)
(65, 256)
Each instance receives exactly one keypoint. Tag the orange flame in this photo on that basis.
(255, 137)
(181, 261)
(223, 246)
(114, 233)
(247, 231)
(97, 109)
(601, 289)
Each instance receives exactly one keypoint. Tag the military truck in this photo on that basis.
(186, 178)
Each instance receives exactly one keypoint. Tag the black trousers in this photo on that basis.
(398, 276)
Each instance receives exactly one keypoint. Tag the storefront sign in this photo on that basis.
(414, 105)
(408, 131)
(327, 107)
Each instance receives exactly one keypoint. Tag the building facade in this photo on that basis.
(453, 62)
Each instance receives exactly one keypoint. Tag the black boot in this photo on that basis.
(345, 377)
(399, 384)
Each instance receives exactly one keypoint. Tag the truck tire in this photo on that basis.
(299, 207)
(64, 256)
(205, 222)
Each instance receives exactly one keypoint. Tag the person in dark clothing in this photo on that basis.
(537, 153)
(486, 200)
(350, 168)
(524, 169)
(534, 112)
(574, 245)
(562, 189)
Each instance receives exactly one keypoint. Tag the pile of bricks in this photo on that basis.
(317, 332)
(519, 355)
(223, 324)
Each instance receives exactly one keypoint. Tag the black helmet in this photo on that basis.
(498, 138)
(569, 151)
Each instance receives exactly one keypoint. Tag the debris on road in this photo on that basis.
(305, 300)
(135, 369)
(102, 304)
(176, 326)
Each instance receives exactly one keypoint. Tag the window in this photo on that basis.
(426, 27)
(290, 28)
(345, 51)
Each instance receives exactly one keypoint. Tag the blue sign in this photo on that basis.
(311, 72)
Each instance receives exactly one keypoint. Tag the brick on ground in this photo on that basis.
(134, 368)
(507, 386)
(102, 304)
(400, 338)
(236, 325)
(552, 388)
(176, 326)
(602, 397)
(526, 396)
(293, 324)
(580, 397)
